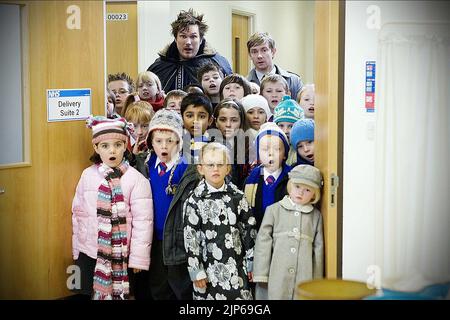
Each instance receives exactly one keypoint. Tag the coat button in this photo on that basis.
(295, 229)
(293, 250)
(297, 213)
(291, 270)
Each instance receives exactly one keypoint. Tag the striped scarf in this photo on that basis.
(110, 275)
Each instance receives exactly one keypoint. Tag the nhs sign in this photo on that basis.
(68, 104)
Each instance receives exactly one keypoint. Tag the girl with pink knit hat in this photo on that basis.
(112, 215)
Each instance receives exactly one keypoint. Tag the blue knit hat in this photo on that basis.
(288, 110)
(270, 128)
(302, 130)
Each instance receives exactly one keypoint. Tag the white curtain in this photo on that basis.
(412, 187)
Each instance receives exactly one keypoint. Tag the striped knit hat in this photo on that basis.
(104, 128)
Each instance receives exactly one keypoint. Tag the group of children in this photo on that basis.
(200, 194)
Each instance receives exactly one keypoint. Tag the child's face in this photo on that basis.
(233, 90)
(211, 83)
(286, 127)
(165, 144)
(228, 122)
(301, 193)
(307, 103)
(306, 150)
(273, 92)
(147, 90)
(174, 103)
(111, 151)
(262, 57)
(140, 131)
(120, 89)
(214, 168)
(110, 106)
(196, 120)
(256, 117)
(271, 152)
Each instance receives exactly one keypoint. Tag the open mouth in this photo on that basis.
(274, 102)
(271, 162)
(311, 109)
(112, 159)
(213, 86)
(310, 157)
(164, 154)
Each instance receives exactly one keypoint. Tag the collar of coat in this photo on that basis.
(288, 205)
(170, 51)
(278, 70)
(202, 189)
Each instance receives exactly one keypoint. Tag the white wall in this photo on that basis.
(289, 22)
(359, 126)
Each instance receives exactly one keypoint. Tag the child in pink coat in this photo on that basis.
(112, 215)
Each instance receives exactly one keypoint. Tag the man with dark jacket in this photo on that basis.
(261, 48)
(178, 62)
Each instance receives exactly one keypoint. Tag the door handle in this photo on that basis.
(2, 191)
(334, 184)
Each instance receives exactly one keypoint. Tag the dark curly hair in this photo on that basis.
(186, 19)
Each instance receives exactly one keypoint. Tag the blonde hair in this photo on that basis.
(303, 90)
(273, 79)
(212, 147)
(147, 76)
(316, 191)
(139, 112)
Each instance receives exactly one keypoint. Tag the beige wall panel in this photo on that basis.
(121, 40)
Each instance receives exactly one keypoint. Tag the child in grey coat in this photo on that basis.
(289, 246)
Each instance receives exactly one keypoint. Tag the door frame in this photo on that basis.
(329, 101)
(251, 29)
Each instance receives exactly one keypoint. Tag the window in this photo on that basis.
(14, 103)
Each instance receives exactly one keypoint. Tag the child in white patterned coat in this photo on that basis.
(219, 231)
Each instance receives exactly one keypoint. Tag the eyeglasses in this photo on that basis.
(121, 92)
(212, 165)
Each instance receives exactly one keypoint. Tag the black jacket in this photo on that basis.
(176, 74)
(174, 252)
